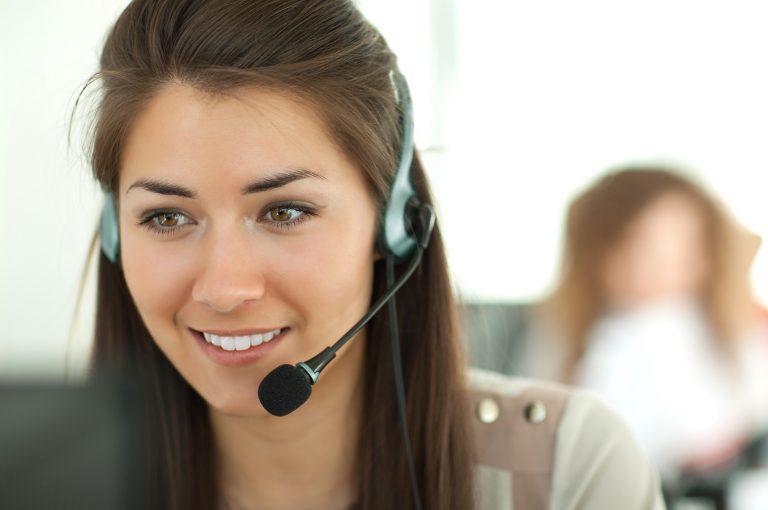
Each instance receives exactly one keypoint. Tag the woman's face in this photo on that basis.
(243, 225)
(662, 255)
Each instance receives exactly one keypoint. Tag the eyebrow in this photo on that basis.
(273, 181)
(280, 179)
(162, 188)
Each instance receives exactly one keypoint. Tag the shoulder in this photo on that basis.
(598, 460)
(546, 445)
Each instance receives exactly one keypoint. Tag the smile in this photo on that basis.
(240, 343)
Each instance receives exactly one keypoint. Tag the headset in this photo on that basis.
(405, 231)
(109, 229)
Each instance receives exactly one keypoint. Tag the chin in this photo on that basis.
(235, 398)
(240, 405)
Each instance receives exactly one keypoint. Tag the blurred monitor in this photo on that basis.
(67, 447)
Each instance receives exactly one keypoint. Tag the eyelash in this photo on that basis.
(306, 213)
(148, 219)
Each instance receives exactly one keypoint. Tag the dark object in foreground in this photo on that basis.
(68, 447)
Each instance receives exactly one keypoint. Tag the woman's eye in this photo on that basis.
(283, 214)
(287, 215)
(167, 219)
(164, 222)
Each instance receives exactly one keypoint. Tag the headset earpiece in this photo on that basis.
(426, 216)
(109, 229)
(395, 236)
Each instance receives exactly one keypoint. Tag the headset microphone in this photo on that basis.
(287, 387)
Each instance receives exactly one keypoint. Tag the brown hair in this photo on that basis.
(326, 53)
(596, 221)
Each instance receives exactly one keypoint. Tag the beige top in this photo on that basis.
(547, 446)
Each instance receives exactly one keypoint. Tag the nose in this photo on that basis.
(231, 273)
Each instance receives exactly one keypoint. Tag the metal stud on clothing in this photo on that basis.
(487, 410)
(536, 412)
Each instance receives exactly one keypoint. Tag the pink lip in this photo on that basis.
(237, 358)
(239, 332)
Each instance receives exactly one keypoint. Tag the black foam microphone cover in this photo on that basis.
(284, 389)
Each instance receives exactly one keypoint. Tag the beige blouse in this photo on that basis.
(547, 446)
(543, 446)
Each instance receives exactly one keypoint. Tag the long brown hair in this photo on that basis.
(596, 221)
(326, 53)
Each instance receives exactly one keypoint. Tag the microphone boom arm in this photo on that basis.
(315, 365)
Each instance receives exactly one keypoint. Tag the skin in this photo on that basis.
(661, 257)
(231, 266)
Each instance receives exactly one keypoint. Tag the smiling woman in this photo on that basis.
(222, 191)
(249, 152)
(262, 191)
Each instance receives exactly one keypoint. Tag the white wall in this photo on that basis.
(49, 203)
(550, 93)
(518, 105)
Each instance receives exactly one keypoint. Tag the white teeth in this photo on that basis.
(271, 334)
(240, 343)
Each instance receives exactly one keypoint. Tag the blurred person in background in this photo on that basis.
(654, 312)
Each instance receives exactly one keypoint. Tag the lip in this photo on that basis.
(238, 332)
(238, 358)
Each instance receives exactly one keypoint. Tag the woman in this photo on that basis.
(250, 148)
(655, 314)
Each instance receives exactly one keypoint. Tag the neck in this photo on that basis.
(301, 461)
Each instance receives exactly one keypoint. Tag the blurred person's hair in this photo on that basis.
(596, 221)
(325, 54)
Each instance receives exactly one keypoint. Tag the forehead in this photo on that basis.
(183, 133)
(675, 206)
(673, 216)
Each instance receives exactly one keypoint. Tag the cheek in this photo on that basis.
(333, 269)
(158, 284)
(330, 283)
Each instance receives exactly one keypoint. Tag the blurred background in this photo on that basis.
(521, 109)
